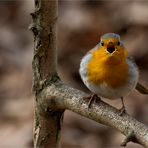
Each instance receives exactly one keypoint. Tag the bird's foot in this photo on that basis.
(122, 111)
(92, 98)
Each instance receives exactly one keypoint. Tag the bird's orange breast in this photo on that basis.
(102, 68)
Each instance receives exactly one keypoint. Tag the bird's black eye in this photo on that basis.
(118, 43)
(102, 44)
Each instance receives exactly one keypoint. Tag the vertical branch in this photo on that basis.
(44, 29)
(47, 121)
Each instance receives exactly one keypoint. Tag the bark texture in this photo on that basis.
(52, 96)
(65, 97)
(47, 122)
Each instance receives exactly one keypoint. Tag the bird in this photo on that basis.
(108, 71)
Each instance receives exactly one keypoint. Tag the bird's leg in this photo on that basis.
(122, 110)
(92, 98)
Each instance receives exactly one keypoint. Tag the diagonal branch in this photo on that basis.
(59, 95)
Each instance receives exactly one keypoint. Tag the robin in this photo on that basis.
(108, 71)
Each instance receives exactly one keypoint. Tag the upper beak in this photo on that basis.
(110, 48)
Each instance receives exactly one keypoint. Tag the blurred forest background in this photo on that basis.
(80, 25)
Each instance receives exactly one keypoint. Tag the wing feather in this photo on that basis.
(142, 89)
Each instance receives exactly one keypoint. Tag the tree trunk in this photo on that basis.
(47, 121)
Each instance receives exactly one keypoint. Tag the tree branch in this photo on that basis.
(53, 97)
(47, 126)
(58, 95)
(44, 30)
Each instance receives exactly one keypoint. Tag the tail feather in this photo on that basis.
(142, 89)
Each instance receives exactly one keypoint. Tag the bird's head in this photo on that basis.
(111, 48)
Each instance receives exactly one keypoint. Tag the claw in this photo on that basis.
(122, 111)
(92, 98)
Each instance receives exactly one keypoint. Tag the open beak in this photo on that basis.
(110, 48)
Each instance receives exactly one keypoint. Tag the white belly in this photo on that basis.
(107, 91)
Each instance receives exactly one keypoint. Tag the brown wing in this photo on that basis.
(141, 88)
